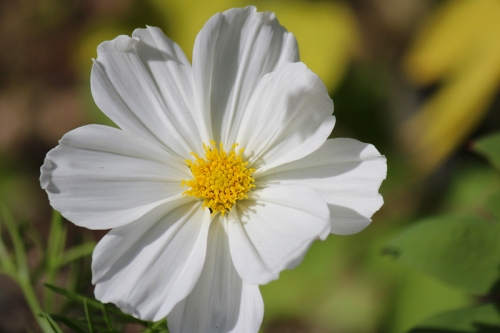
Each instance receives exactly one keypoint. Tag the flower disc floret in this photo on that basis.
(220, 178)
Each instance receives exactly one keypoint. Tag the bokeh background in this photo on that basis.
(418, 79)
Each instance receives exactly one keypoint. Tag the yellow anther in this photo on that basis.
(219, 179)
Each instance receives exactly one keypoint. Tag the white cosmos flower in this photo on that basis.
(177, 248)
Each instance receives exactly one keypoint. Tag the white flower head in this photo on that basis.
(220, 176)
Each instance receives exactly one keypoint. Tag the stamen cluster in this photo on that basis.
(220, 179)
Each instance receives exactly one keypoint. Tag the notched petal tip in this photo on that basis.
(266, 17)
(313, 80)
(149, 29)
(121, 43)
(371, 153)
(46, 172)
(248, 9)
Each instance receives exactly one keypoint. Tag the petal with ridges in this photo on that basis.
(273, 228)
(220, 302)
(288, 117)
(145, 85)
(101, 177)
(147, 267)
(346, 172)
(231, 54)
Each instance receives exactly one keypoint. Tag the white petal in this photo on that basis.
(288, 117)
(101, 177)
(220, 302)
(145, 85)
(346, 172)
(273, 229)
(147, 267)
(231, 54)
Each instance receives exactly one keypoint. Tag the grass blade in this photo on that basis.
(87, 315)
(51, 323)
(77, 252)
(73, 324)
(106, 318)
(95, 304)
(20, 254)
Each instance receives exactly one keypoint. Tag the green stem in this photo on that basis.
(56, 241)
(49, 297)
(30, 295)
(19, 253)
(5, 260)
(19, 271)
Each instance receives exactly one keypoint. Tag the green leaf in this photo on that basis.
(493, 205)
(463, 251)
(490, 148)
(476, 319)
(469, 189)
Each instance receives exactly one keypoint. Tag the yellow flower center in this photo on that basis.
(220, 179)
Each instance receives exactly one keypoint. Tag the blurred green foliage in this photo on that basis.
(97, 317)
(476, 319)
(24, 238)
(460, 250)
(489, 147)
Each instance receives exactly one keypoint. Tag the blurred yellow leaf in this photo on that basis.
(326, 32)
(119, 18)
(90, 39)
(186, 18)
(460, 45)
